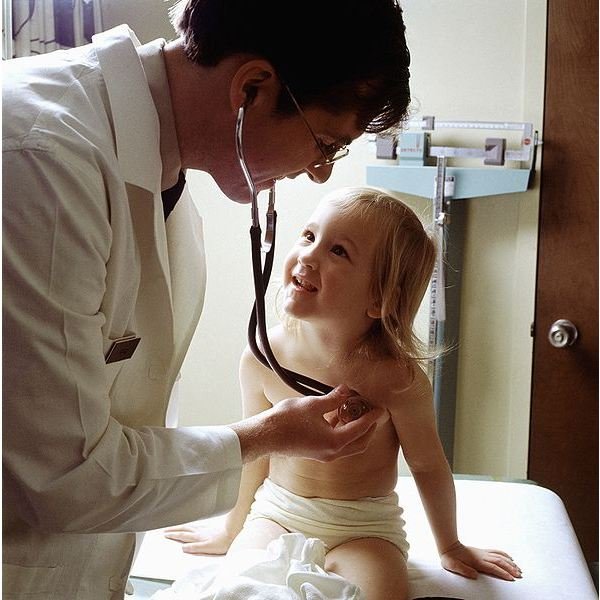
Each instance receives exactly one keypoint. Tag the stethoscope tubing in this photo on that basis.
(301, 383)
(261, 275)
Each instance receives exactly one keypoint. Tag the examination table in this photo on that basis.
(527, 521)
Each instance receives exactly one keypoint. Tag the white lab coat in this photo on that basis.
(87, 259)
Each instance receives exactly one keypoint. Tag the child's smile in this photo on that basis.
(302, 284)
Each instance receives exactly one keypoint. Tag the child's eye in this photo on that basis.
(308, 235)
(339, 250)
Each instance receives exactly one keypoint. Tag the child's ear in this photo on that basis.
(374, 311)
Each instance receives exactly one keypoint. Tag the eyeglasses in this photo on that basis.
(331, 152)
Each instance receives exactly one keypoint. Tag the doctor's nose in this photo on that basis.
(319, 174)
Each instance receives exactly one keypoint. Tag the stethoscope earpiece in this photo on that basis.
(250, 96)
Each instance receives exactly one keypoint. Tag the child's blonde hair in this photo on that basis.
(404, 260)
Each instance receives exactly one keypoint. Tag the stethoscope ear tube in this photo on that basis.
(261, 280)
(301, 383)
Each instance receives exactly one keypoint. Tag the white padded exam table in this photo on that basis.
(527, 521)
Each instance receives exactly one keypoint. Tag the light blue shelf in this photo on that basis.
(468, 182)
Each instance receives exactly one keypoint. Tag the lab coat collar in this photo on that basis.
(135, 119)
(153, 62)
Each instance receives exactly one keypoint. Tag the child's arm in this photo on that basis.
(202, 540)
(414, 419)
(254, 473)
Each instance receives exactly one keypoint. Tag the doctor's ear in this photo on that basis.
(253, 82)
(250, 95)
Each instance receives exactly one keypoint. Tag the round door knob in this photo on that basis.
(562, 333)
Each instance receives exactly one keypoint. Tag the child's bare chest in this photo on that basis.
(372, 473)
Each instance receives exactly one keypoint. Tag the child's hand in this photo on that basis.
(467, 561)
(198, 539)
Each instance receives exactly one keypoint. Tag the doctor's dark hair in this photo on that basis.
(338, 55)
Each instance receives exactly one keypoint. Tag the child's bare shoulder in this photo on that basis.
(399, 383)
(250, 365)
(276, 340)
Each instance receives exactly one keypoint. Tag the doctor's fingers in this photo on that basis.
(353, 429)
(346, 442)
(331, 401)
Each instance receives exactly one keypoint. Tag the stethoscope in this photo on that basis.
(354, 407)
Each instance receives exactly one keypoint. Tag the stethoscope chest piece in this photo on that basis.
(353, 408)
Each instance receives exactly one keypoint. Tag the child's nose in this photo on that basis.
(307, 257)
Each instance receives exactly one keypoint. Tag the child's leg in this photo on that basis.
(256, 535)
(375, 565)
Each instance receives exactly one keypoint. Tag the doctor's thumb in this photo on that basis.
(334, 398)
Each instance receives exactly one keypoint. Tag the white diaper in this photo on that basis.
(332, 521)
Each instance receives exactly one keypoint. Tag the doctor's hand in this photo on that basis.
(304, 427)
(468, 561)
(200, 539)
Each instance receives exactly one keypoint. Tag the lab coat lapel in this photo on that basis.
(137, 130)
(188, 270)
(134, 115)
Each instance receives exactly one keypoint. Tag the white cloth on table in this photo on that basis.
(291, 568)
(522, 519)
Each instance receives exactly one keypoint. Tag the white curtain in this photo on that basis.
(40, 26)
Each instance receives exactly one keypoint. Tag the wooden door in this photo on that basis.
(563, 454)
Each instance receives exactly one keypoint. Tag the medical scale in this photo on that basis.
(422, 169)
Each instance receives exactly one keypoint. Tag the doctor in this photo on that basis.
(104, 280)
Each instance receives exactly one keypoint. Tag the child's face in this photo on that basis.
(327, 274)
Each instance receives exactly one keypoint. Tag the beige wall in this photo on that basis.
(148, 18)
(484, 60)
(472, 60)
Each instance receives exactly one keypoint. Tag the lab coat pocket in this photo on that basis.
(118, 351)
(19, 581)
(122, 348)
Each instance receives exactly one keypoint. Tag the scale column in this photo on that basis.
(444, 314)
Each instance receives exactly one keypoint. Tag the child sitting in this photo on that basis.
(352, 286)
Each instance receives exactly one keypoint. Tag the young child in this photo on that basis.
(352, 285)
